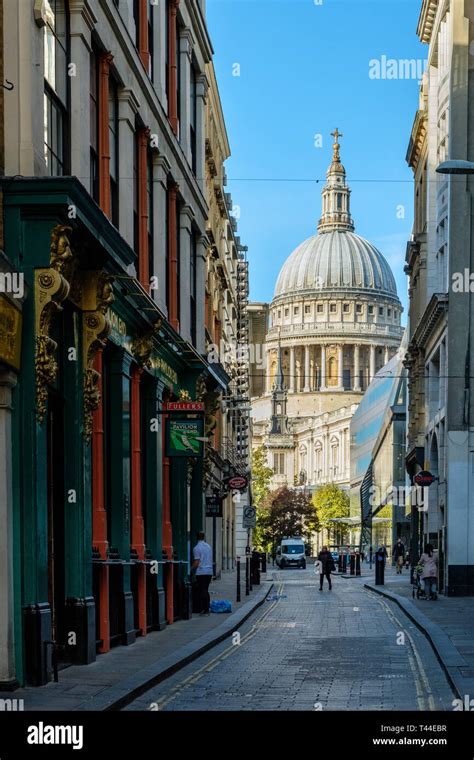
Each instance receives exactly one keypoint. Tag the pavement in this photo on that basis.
(448, 623)
(306, 650)
(125, 672)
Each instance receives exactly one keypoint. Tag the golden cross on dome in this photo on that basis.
(336, 147)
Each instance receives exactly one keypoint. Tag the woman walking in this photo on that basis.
(326, 566)
(429, 575)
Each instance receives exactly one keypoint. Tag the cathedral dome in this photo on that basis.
(334, 260)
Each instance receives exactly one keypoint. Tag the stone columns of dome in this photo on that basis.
(372, 363)
(292, 370)
(323, 367)
(267, 383)
(356, 383)
(340, 366)
(385, 358)
(306, 387)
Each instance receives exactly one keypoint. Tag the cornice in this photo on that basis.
(426, 20)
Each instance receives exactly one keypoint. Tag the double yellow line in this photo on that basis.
(424, 695)
(198, 674)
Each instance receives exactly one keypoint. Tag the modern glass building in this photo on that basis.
(377, 446)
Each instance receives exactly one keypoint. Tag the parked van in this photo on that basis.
(291, 552)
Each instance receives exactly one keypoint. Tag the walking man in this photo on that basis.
(202, 555)
(325, 565)
(398, 555)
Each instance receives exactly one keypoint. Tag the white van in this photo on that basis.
(291, 553)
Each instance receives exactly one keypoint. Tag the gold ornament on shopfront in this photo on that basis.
(142, 345)
(96, 327)
(211, 401)
(51, 289)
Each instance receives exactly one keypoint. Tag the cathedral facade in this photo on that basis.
(334, 321)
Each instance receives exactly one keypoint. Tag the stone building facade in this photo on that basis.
(439, 253)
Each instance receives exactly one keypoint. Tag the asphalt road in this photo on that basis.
(345, 649)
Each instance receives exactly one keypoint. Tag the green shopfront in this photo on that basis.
(102, 517)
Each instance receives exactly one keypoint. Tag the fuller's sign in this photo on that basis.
(184, 406)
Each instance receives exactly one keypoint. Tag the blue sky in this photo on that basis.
(304, 69)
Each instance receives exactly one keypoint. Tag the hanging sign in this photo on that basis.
(185, 438)
(237, 483)
(424, 478)
(213, 506)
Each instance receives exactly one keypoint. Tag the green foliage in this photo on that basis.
(261, 478)
(330, 501)
(286, 512)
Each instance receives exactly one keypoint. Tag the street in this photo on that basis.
(347, 649)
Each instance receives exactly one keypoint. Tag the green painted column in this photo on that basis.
(79, 629)
(152, 423)
(120, 484)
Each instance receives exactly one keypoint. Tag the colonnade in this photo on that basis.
(328, 366)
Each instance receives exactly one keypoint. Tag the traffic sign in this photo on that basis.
(249, 517)
(238, 482)
(424, 478)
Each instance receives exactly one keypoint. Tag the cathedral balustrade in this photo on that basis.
(319, 329)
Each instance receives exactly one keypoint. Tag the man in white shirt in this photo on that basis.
(202, 555)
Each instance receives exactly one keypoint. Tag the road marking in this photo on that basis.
(416, 664)
(198, 674)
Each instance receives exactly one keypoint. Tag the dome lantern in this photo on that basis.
(336, 195)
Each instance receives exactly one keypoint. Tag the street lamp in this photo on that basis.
(456, 166)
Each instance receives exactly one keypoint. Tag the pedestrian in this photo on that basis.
(407, 560)
(202, 555)
(383, 550)
(429, 576)
(398, 554)
(326, 566)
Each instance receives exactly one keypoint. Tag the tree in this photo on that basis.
(330, 501)
(286, 512)
(261, 478)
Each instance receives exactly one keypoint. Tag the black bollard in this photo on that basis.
(247, 575)
(357, 563)
(264, 562)
(353, 563)
(344, 563)
(238, 579)
(379, 568)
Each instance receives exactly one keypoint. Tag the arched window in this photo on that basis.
(56, 85)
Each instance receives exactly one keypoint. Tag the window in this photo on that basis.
(359, 308)
(339, 201)
(279, 313)
(113, 147)
(370, 309)
(287, 311)
(345, 308)
(380, 311)
(56, 87)
(94, 125)
(389, 313)
(332, 308)
(193, 286)
(307, 309)
(319, 308)
(135, 192)
(296, 310)
(278, 464)
(149, 192)
(193, 119)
